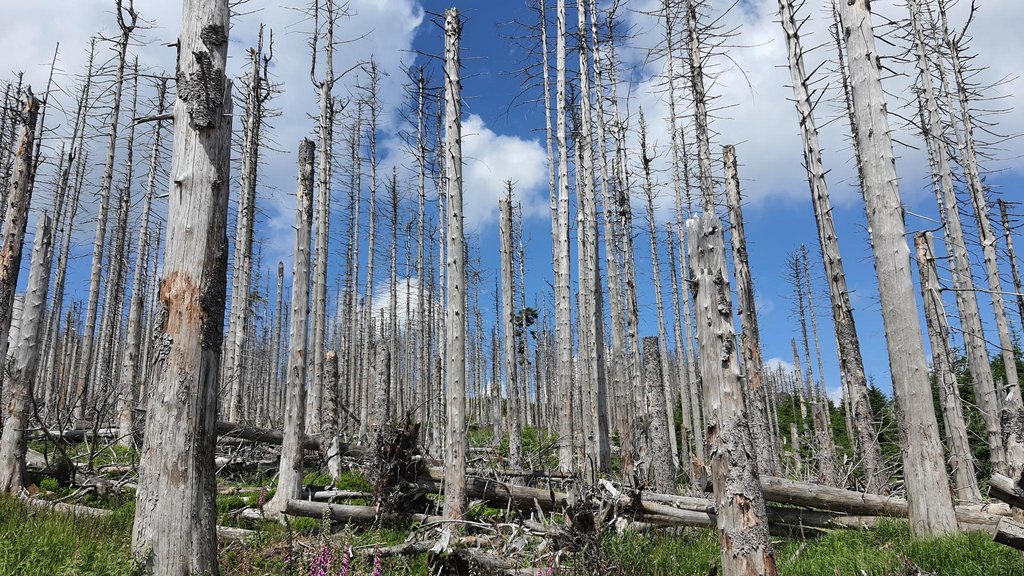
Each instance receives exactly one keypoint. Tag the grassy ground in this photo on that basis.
(36, 543)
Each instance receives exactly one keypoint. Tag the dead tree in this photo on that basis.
(257, 93)
(23, 374)
(325, 135)
(742, 519)
(646, 159)
(127, 18)
(515, 438)
(1011, 255)
(176, 512)
(455, 315)
(928, 492)
(754, 391)
(961, 459)
(131, 362)
(19, 199)
(563, 299)
(968, 148)
(660, 454)
(289, 484)
(851, 363)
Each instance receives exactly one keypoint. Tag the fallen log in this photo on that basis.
(224, 532)
(858, 503)
(1005, 489)
(349, 514)
(1010, 533)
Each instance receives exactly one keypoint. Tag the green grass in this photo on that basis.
(35, 543)
(53, 544)
(888, 550)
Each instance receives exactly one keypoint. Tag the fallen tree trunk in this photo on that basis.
(1004, 488)
(1010, 533)
(857, 503)
(349, 514)
(223, 532)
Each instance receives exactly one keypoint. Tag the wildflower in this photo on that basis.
(378, 565)
(344, 560)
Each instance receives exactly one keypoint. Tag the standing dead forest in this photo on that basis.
(269, 320)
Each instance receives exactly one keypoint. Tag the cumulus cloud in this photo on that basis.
(779, 364)
(490, 161)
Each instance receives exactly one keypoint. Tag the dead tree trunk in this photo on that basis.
(331, 443)
(756, 406)
(928, 493)
(961, 459)
(19, 199)
(742, 519)
(85, 371)
(660, 454)
(289, 484)
(851, 363)
(256, 94)
(563, 299)
(175, 514)
(23, 374)
(455, 321)
(515, 438)
(132, 358)
(1011, 255)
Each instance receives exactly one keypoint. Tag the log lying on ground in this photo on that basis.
(349, 514)
(1005, 489)
(276, 437)
(1010, 533)
(860, 503)
(223, 532)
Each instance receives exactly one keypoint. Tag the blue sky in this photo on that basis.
(504, 139)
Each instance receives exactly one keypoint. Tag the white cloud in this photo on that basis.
(778, 364)
(490, 160)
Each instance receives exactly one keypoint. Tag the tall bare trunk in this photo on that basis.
(455, 316)
(289, 484)
(22, 375)
(130, 365)
(851, 363)
(176, 512)
(85, 369)
(757, 409)
(515, 439)
(19, 199)
(928, 494)
(739, 504)
(961, 459)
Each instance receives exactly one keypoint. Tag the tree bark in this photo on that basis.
(928, 492)
(660, 454)
(742, 520)
(23, 374)
(515, 438)
(176, 512)
(455, 318)
(289, 484)
(750, 340)
(961, 458)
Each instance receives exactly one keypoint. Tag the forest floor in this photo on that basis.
(38, 543)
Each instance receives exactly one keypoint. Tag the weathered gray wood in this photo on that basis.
(750, 340)
(928, 492)
(742, 520)
(127, 26)
(256, 94)
(18, 200)
(331, 445)
(1005, 489)
(515, 437)
(659, 454)
(289, 484)
(696, 36)
(455, 315)
(175, 513)
(1010, 533)
(23, 374)
(961, 458)
(130, 366)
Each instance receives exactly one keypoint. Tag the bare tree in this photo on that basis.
(176, 512)
(455, 316)
(22, 376)
(741, 517)
(928, 493)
